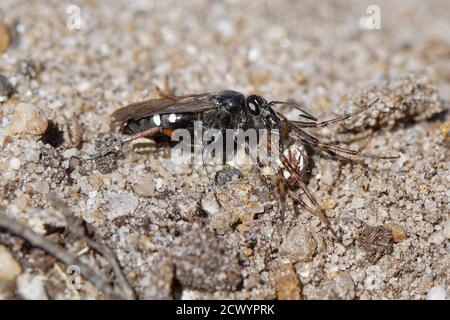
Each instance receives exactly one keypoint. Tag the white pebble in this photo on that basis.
(31, 287)
(120, 204)
(72, 152)
(357, 203)
(41, 187)
(437, 293)
(27, 119)
(159, 184)
(14, 163)
(447, 228)
(84, 86)
(9, 267)
(32, 155)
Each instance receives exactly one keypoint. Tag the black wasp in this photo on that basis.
(232, 110)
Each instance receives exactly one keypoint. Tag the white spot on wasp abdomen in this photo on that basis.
(172, 118)
(157, 119)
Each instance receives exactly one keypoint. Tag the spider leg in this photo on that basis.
(313, 141)
(329, 147)
(318, 210)
(281, 194)
(321, 124)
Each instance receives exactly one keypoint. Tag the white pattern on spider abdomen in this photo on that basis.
(293, 160)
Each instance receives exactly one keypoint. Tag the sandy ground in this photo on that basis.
(162, 222)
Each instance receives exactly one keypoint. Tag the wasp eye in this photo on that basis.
(253, 105)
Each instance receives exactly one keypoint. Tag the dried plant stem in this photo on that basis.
(91, 274)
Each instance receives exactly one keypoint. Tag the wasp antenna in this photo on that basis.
(305, 114)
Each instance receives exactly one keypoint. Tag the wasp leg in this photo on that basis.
(321, 124)
(117, 146)
(166, 91)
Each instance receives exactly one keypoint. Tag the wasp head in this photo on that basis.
(260, 114)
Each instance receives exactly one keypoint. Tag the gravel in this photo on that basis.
(179, 233)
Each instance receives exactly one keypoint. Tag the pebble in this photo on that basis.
(437, 238)
(83, 86)
(9, 268)
(357, 203)
(120, 205)
(437, 293)
(447, 228)
(398, 232)
(32, 155)
(27, 120)
(145, 186)
(226, 175)
(41, 187)
(22, 202)
(210, 205)
(344, 287)
(299, 245)
(31, 287)
(287, 283)
(14, 163)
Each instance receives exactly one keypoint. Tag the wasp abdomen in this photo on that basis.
(168, 121)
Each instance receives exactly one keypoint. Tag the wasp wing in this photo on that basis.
(181, 104)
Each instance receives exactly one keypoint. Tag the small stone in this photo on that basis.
(69, 153)
(5, 37)
(299, 245)
(14, 163)
(344, 288)
(83, 86)
(31, 287)
(41, 187)
(226, 175)
(96, 182)
(447, 228)
(27, 120)
(210, 205)
(145, 186)
(437, 238)
(437, 293)
(357, 203)
(22, 202)
(144, 244)
(10, 269)
(120, 205)
(423, 189)
(32, 155)
(247, 251)
(287, 283)
(398, 232)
